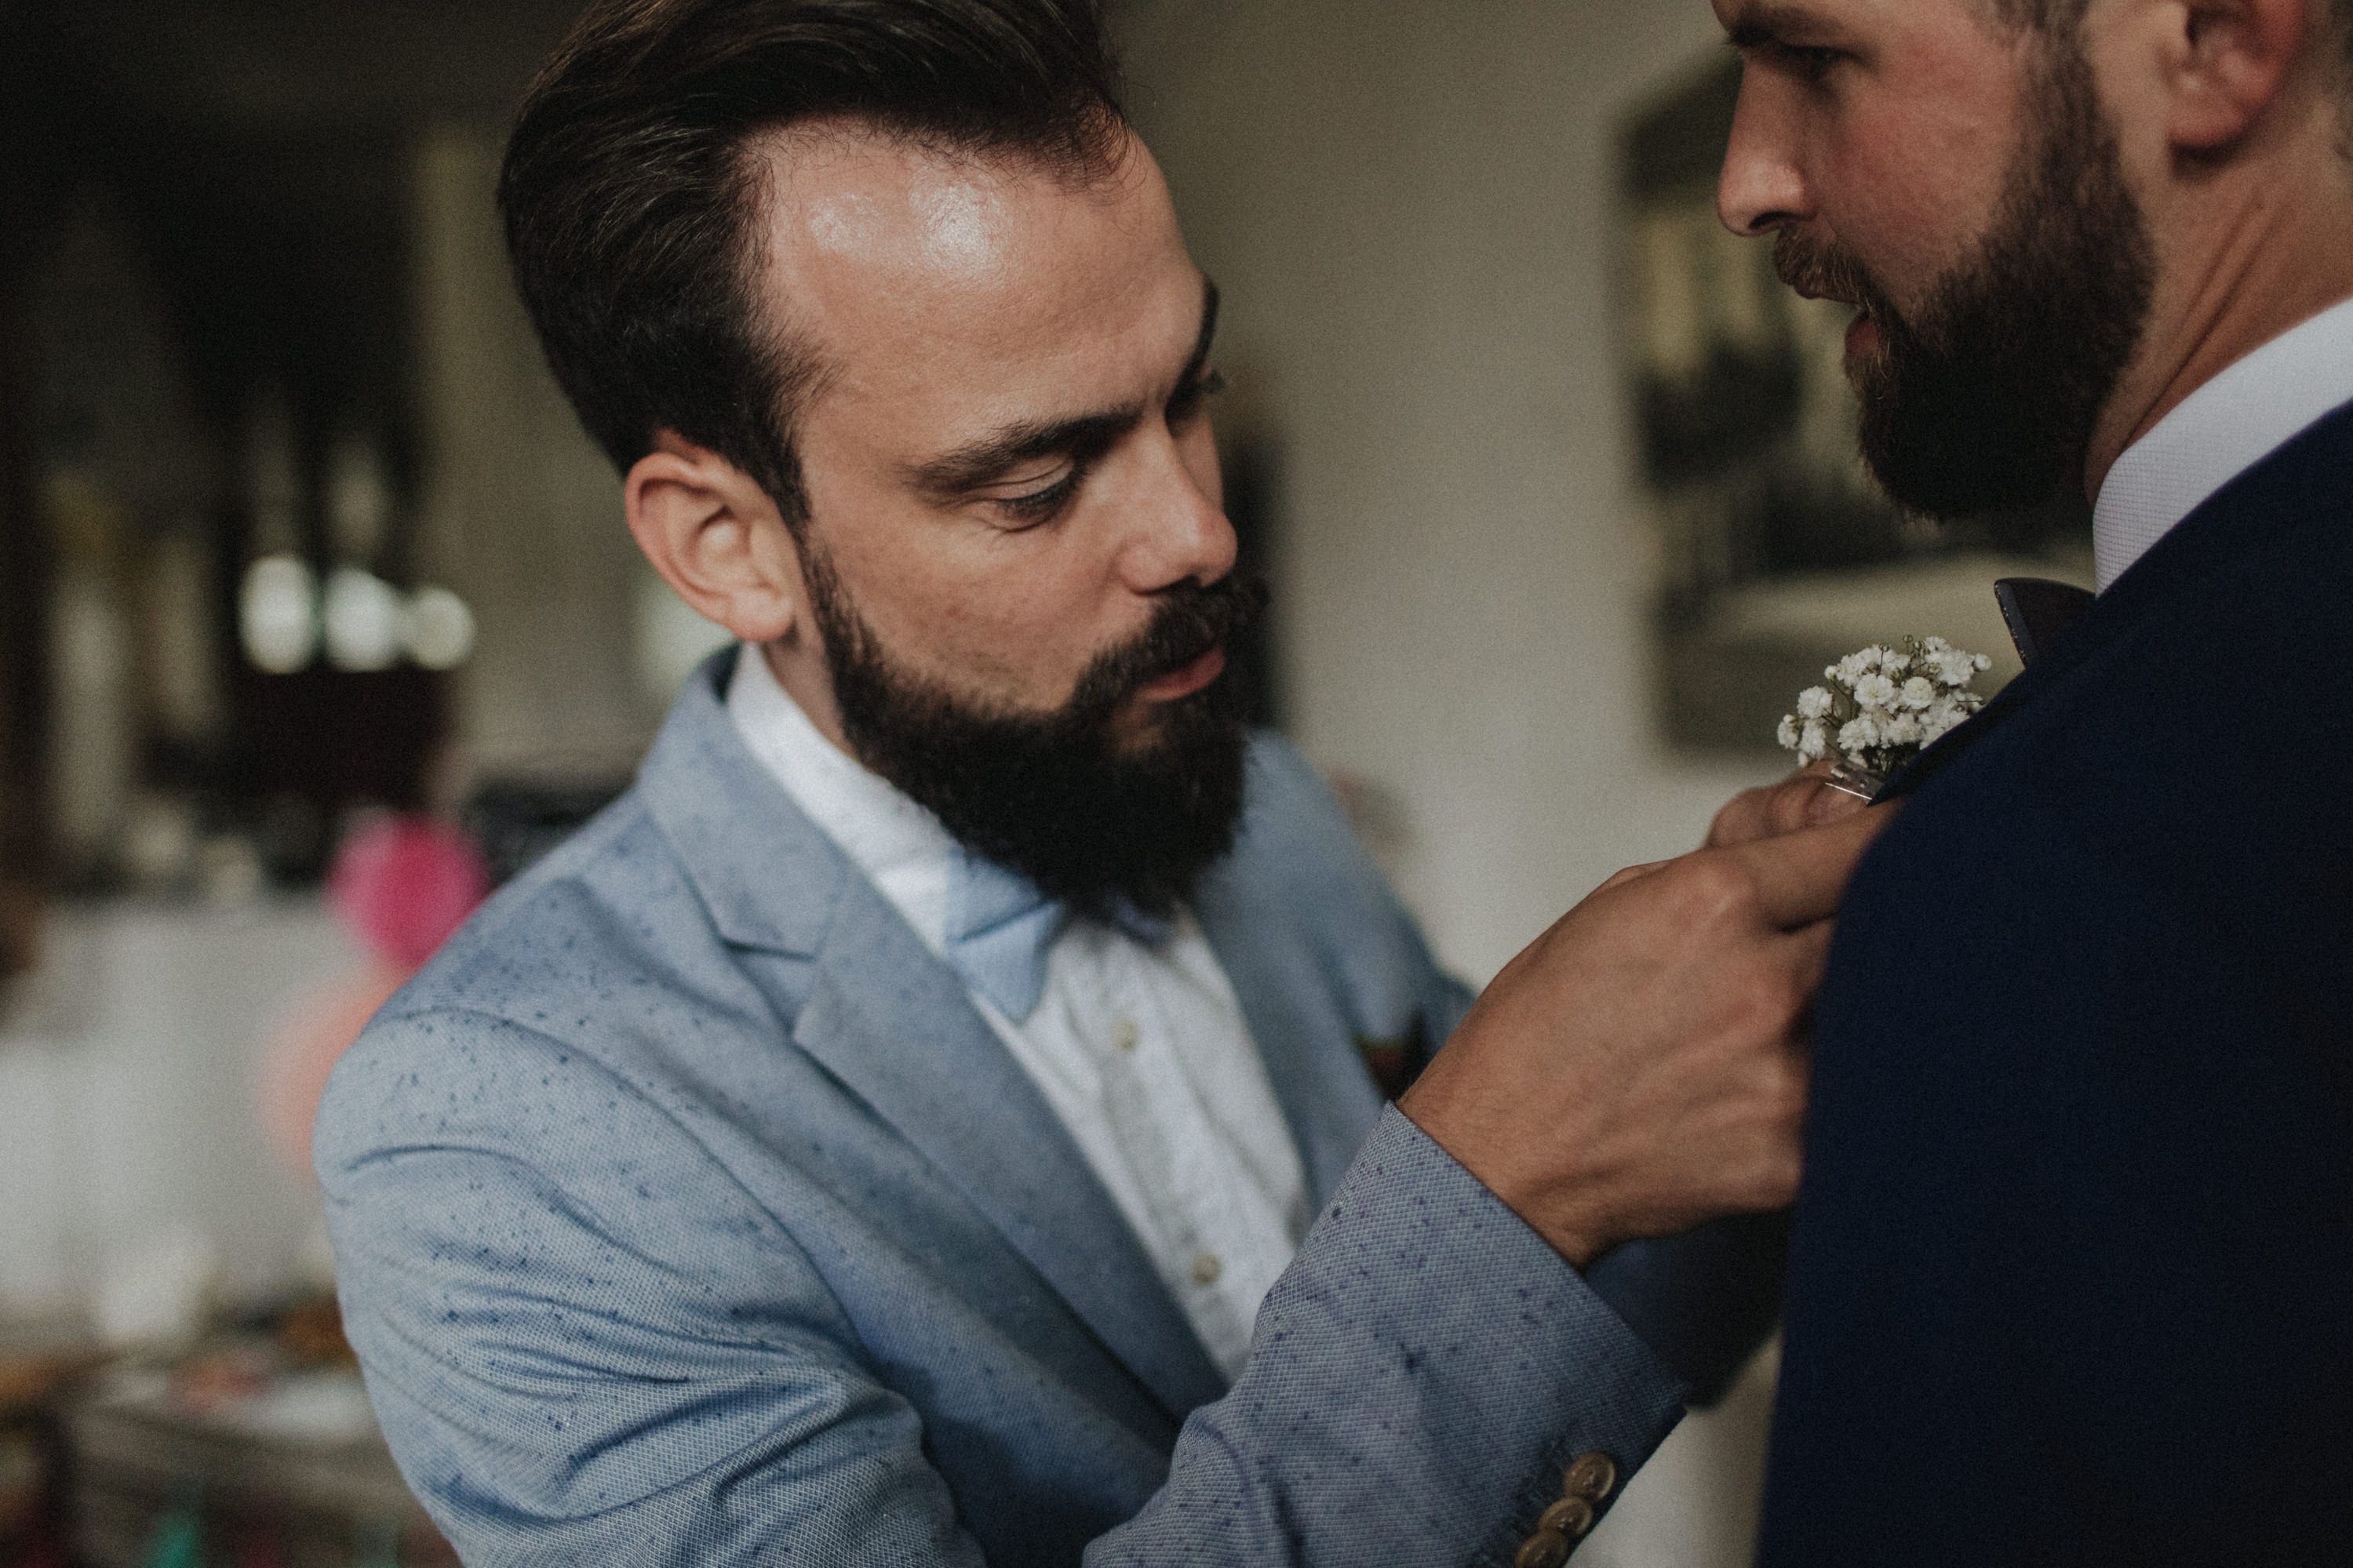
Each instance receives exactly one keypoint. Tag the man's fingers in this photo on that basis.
(1800, 876)
(1803, 800)
(1828, 804)
(1631, 874)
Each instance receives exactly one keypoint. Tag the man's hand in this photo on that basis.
(1641, 1068)
(1805, 799)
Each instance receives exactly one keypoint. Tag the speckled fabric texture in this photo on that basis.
(687, 1213)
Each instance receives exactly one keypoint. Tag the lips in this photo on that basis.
(1185, 680)
(1862, 336)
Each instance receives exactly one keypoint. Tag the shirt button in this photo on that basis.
(1124, 1034)
(1206, 1267)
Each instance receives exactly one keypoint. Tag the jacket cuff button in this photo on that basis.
(1570, 1517)
(1542, 1549)
(1592, 1476)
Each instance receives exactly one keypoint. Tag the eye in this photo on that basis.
(1811, 61)
(1030, 508)
(1193, 394)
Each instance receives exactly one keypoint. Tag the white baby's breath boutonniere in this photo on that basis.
(1882, 707)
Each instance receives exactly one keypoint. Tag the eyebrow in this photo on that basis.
(978, 462)
(1768, 23)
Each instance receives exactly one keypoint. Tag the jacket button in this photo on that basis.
(1542, 1549)
(1207, 1267)
(1592, 1476)
(1570, 1517)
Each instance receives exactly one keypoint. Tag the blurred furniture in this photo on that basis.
(38, 1361)
(288, 1471)
(128, 1090)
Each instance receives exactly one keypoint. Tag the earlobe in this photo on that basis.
(2230, 59)
(715, 538)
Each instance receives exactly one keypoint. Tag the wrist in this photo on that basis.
(1578, 1232)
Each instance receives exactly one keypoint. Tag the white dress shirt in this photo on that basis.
(1141, 1052)
(2219, 432)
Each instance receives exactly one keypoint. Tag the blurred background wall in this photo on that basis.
(1412, 211)
(254, 325)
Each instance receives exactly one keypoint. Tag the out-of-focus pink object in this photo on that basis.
(317, 1031)
(404, 884)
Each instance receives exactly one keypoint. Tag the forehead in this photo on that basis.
(967, 290)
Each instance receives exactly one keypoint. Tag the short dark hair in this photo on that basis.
(632, 193)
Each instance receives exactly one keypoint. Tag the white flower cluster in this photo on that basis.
(1883, 705)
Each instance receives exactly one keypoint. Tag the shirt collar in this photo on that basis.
(880, 829)
(2217, 433)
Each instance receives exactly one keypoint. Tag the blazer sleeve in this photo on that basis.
(1418, 1381)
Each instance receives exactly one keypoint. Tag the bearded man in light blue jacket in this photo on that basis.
(929, 1118)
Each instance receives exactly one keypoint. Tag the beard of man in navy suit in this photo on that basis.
(2072, 1277)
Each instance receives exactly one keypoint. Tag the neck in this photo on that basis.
(2250, 253)
(799, 668)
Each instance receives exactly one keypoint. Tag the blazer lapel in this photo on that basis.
(1311, 1061)
(892, 1023)
(1298, 1015)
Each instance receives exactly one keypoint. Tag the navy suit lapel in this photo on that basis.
(892, 1023)
(2303, 477)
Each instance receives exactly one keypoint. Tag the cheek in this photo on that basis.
(1011, 619)
(1912, 213)
(1912, 180)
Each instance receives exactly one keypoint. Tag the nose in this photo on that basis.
(1176, 519)
(1762, 187)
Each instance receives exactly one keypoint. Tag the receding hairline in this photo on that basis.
(1111, 159)
(763, 156)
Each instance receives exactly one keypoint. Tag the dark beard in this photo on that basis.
(1988, 397)
(1052, 795)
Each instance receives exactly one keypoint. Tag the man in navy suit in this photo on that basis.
(897, 1131)
(2072, 1279)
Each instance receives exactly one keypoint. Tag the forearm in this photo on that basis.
(1418, 1381)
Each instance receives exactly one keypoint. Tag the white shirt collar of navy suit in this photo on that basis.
(2217, 433)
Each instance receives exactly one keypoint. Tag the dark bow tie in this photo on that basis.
(2040, 612)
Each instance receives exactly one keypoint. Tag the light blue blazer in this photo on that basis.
(686, 1212)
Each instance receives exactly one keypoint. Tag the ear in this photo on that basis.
(716, 537)
(2228, 61)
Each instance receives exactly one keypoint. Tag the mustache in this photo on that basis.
(1823, 271)
(1191, 619)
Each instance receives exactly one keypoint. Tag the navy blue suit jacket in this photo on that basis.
(2072, 1279)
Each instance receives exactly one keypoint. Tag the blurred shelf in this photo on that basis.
(294, 1473)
